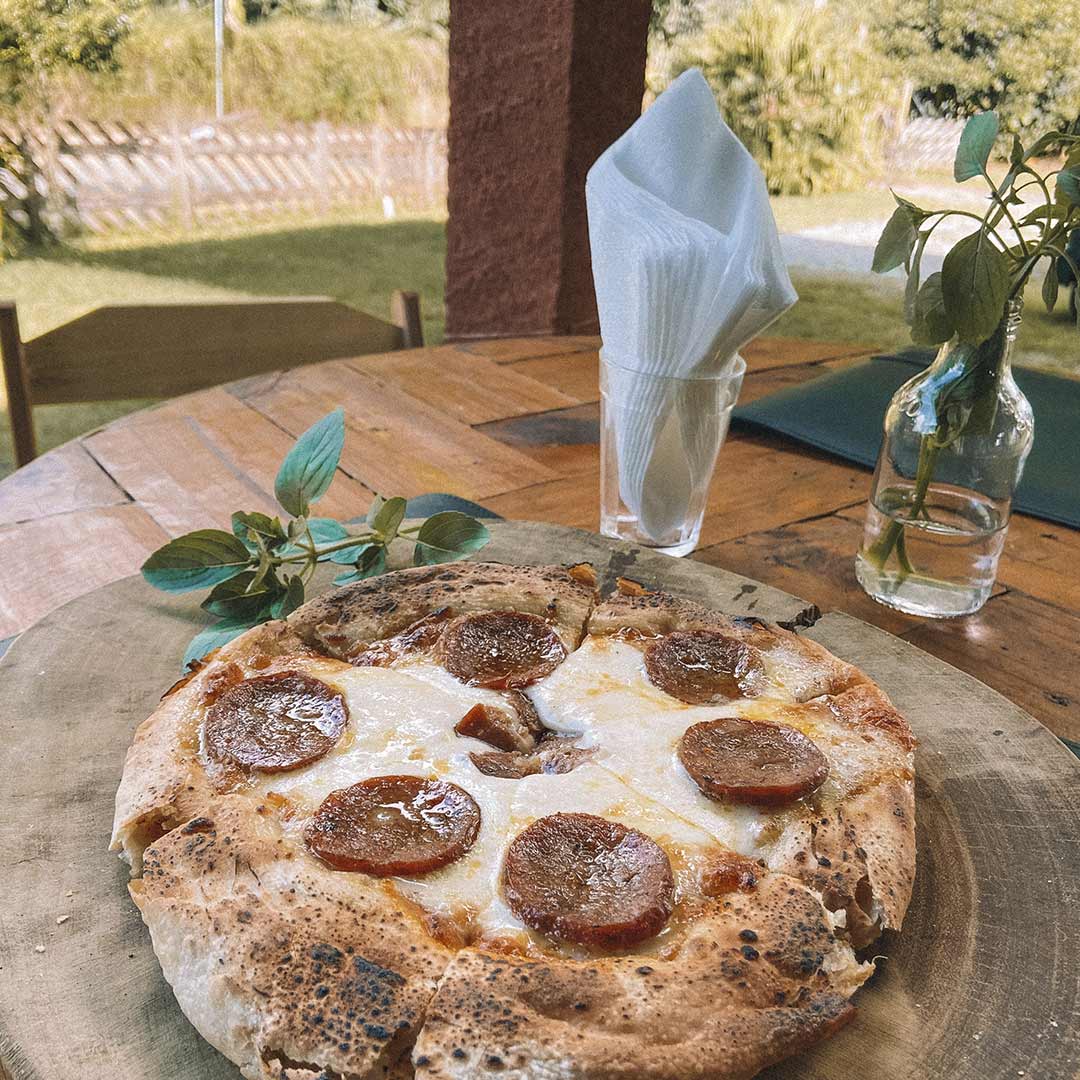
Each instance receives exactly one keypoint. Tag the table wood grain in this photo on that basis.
(514, 424)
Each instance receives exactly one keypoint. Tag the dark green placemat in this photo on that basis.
(842, 412)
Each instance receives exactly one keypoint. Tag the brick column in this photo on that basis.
(537, 91)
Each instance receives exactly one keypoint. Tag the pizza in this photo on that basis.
(473, 820)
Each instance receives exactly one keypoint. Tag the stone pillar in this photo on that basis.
(537, 91)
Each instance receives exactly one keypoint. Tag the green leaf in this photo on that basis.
(251, 529)
(911, 289)
(370, 563)
(213, 637)
(976, 142)
(196, 561)
(975, 285)
(309, 466)
(930, 322)
(243, 596)
(448, 536)
(1068, 184)
(1050, 285)
(327, 530)
(389, 517)
(258, 523)
(895, 243)
(917, 214)
(1042, 213)
(1016, 154)
(1042, 144)
(297, 527)
(290, 599)
(373, 510)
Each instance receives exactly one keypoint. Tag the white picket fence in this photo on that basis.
(104, 176)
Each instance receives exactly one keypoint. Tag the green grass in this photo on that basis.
(868, 311)
(360, 260)
(795, 212)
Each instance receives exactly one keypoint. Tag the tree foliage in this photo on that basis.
(285, 67)
(801, 96)
(41, 38)
(1014, 56)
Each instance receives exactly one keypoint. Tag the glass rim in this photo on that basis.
(736, 371)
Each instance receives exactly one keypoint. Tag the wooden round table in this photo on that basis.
(513, 424)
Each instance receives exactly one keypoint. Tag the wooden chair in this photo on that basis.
(162, 350)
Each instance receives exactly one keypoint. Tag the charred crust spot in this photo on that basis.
(198, 825)
(747, 935)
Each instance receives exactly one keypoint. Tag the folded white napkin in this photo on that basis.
(688, 268)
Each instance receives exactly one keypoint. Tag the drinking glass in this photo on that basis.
(659, 438)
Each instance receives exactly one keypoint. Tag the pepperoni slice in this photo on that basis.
(501, 650)
(746, 761)
(585, 879)
(703, 666)
(392, 825)
(275, 722)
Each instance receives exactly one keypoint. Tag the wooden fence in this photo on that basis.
(103, 176)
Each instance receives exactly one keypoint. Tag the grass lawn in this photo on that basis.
(360, 261)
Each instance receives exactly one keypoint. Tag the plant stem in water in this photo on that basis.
(893, 537)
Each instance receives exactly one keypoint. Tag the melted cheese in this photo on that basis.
(593, 789)
(402, 718)
(401, 721)
(603, 692)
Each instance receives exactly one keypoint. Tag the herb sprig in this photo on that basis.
(967, 301)
(992, 264)
(260, 570)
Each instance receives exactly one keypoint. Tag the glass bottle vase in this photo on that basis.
(955, 442)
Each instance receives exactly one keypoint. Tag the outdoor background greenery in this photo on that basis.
(810, 88)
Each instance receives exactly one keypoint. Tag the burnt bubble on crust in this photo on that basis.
(273, 723)
(334, 970)
(588, 880)
(390, 826)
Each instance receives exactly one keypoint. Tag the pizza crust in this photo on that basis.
(286, 968)
(344, 622)
(257, 937)
(721, 1008)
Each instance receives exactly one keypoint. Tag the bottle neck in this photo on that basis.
(995, 353)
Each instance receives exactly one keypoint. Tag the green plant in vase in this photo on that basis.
(957, 434)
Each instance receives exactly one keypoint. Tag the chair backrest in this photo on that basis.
(161, 350)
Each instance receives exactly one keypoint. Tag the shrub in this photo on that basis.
(283, 67)
(800, 93)
(1015, 56)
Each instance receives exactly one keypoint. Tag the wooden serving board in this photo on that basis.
(984, 981)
